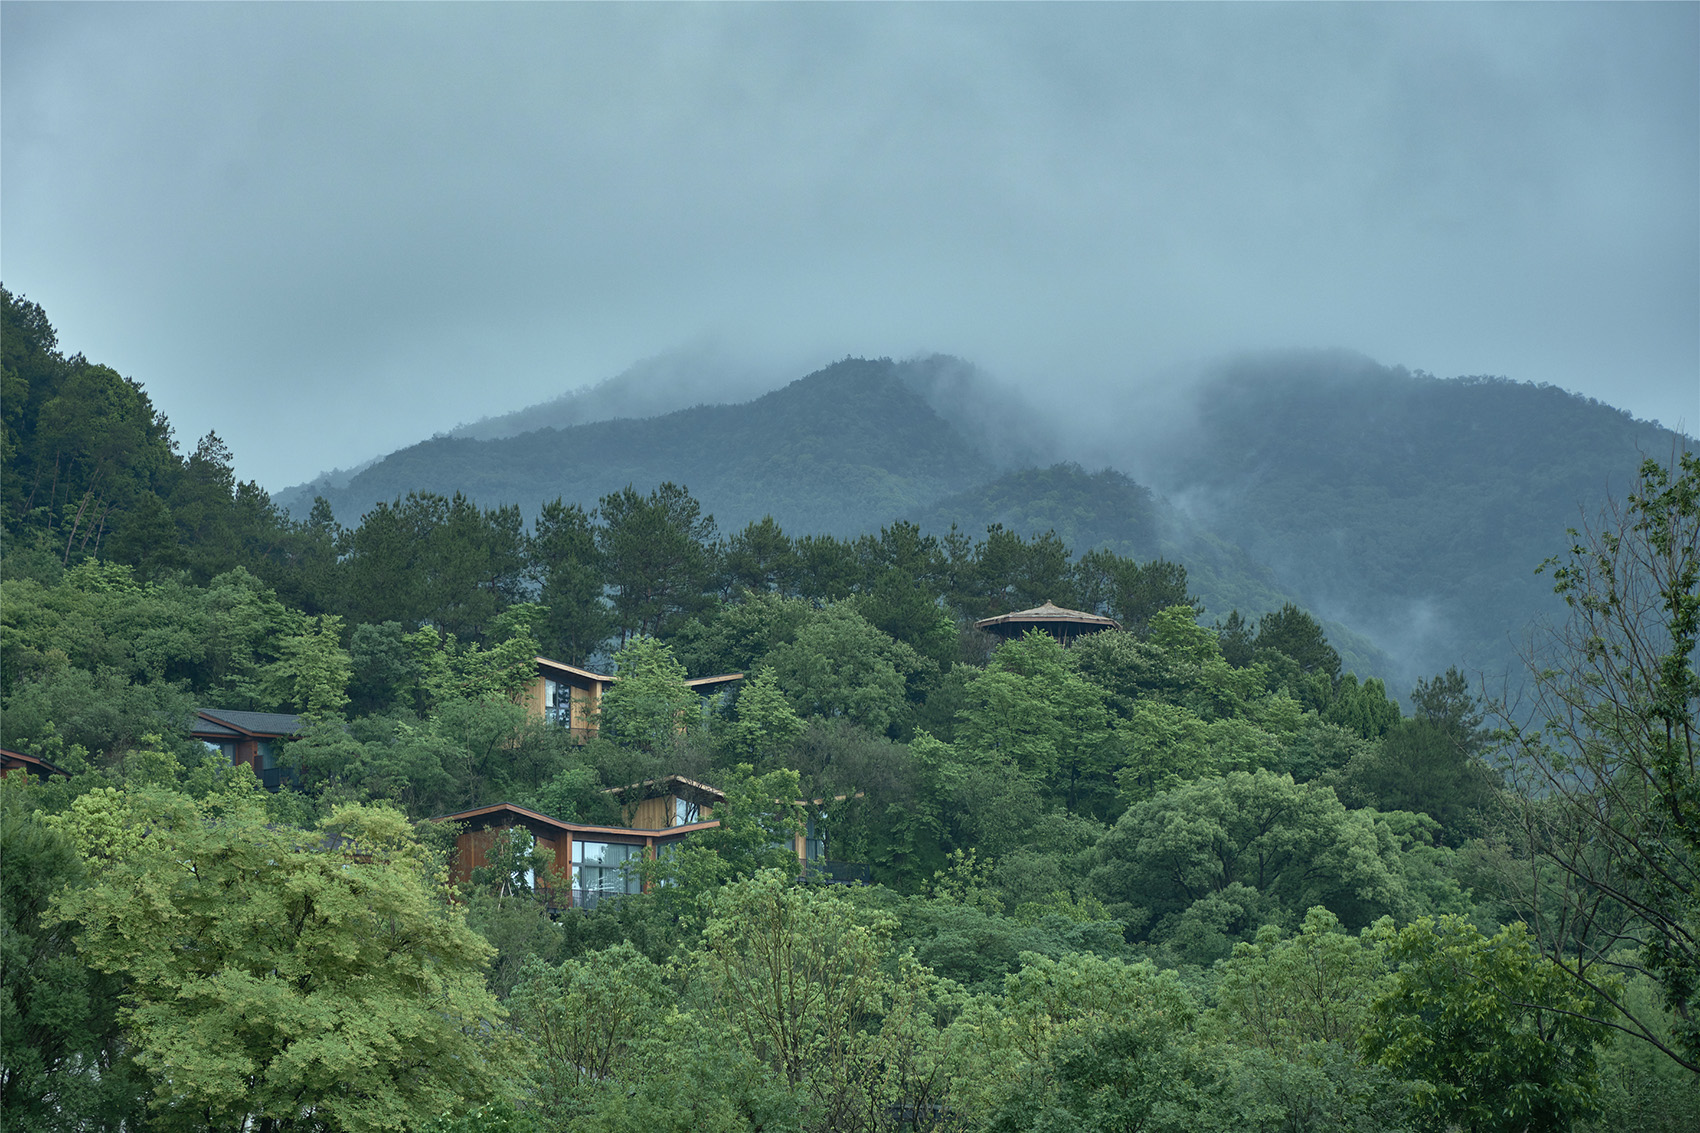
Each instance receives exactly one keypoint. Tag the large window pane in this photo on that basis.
(600, 869)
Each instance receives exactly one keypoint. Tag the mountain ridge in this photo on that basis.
(1408, 509)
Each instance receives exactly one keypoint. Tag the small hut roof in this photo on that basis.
(1048, 614)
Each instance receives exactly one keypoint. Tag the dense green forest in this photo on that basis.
(1190, 874)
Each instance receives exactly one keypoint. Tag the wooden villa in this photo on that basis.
(254, 738)
(572, 697)
(587, 863)
(18, 763)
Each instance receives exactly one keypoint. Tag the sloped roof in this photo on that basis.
(498, 814)
(1049, 614)
(223, 722)
(10, 759)
(700, 683)
(574, 670)
(667, 785)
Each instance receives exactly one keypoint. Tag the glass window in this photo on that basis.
(814, 842)
(557, 702)
(601, 869)
(268, 755)
(685, 812)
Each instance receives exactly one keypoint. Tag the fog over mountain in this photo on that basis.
(328, 231)
(1409, 511)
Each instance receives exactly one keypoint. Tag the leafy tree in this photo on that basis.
(736, 637)
(313, 671)
(1366, 709)
(1238, 639)
(1105, 1047)
(797, 971)
(330, 985)
(760, 559)
(1257, 839)
(1133, 592)
(383, 668)
(64, 1064)
(758, 823)
(1005, 572)
(1293, 633)
(587, 1020)
(880, 810)
(765, 724)
(1185, 666)
(435, 559)
(576, 794)
(1162, 745)
(1431, 763)
(1610, 767)
(976, 799)
(1030, 710)
(840, 666)
(1281, 992)
(1495, 1037)
(649, 705)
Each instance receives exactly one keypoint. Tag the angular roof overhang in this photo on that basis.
(669, 785)
(220, 723)
(17, 760)
(573, 670)
(511, 814)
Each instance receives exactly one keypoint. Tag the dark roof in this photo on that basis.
(29, 763)
(1048, 614)
(225, 722)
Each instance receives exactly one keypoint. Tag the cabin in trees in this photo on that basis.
(566, 695)
(660, 804)
(1063, 624)
(254, 738)
(571, 697)
(586, 863)
(17, 763)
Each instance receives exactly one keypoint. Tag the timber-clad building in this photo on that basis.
(585, 863)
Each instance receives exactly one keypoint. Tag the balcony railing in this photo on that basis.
(839, 873)
(277, 778)
(557, 898)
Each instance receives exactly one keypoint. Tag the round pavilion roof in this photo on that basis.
(1046, 616)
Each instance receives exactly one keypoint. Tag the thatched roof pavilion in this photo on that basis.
(1064, 625)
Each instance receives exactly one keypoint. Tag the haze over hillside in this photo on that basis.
(1408, 510)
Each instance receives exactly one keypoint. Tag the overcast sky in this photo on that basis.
(327, 231)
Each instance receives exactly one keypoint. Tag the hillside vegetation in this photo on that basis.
(1182, 875)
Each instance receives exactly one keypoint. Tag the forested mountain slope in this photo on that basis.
(840, 451)
(1413, 508)
(1410, 508)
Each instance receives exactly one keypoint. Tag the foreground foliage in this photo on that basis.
(310, 979)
